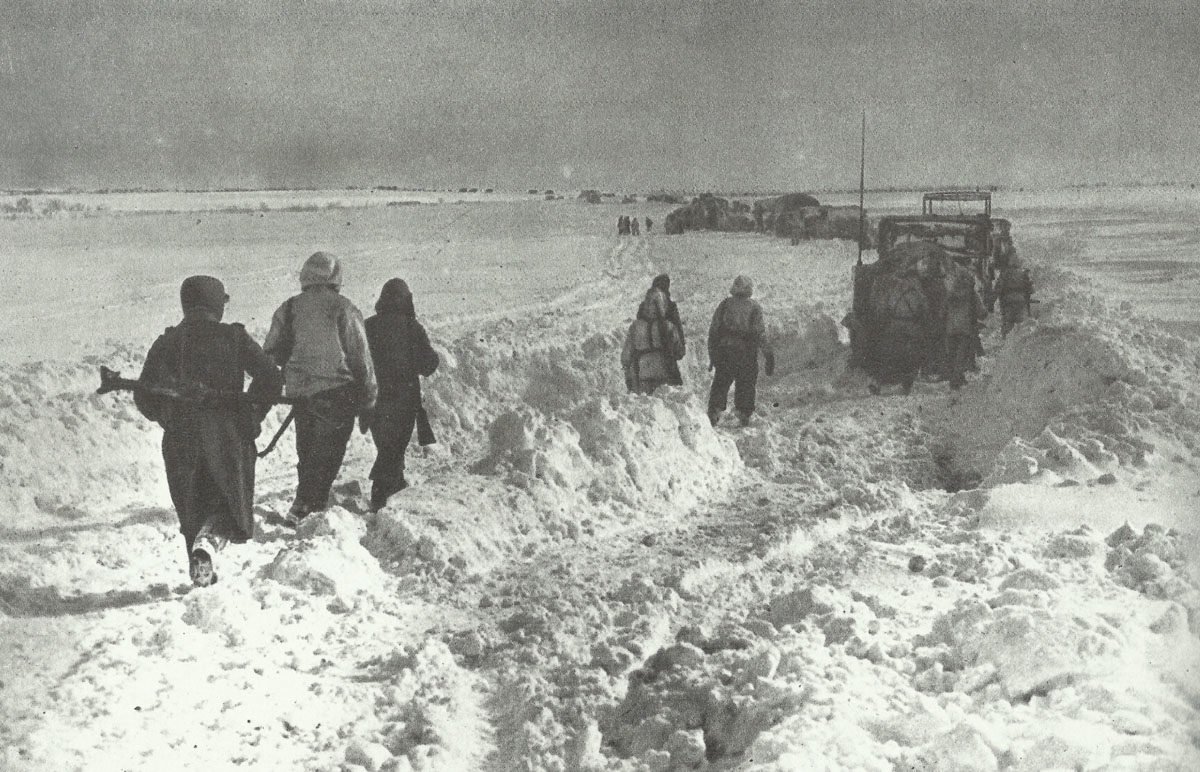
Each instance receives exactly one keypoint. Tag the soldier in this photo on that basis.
(401, 353)
(900, 319)
(319, 338)
(1014, 289)
(735, 337)
(662, 282)
(652, 346)
(935, 271)
(208, 446)
(964, 310)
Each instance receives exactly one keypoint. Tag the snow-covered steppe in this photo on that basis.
(1004, 577)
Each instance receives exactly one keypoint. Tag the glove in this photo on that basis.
(769, 367)
(365, 418)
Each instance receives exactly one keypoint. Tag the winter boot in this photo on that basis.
(200, 568)
(379, 496)
(297, 513)
(743, 418)
(381, 493)
(714, 416)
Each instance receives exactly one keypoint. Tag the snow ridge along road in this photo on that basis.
(581, 579)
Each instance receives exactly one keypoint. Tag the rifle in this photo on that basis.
(111, 380)
(424, 430)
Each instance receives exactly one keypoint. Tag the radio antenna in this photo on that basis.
(862, 177)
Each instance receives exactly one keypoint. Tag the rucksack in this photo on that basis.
(287, 338)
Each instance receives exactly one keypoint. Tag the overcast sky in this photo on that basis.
(610, 94)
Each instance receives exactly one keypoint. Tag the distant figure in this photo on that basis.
(319, 339)
(634, 229)
(735, 337)
(651, 346)
(401, 352)
(649, 224)
(662, 282)
(621, 225)
(1014, 289)
(208, 447)
(964, 310)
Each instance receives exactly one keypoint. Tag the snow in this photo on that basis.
(1005, 577)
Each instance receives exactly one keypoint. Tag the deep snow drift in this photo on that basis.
(1000, 578)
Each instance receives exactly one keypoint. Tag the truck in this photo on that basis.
(954, 227)
(974, 239)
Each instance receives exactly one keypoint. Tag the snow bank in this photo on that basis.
(1080, 392)
(430, 713)
(553, 477)
(329, 560)
(66, 452)
(1034, 674)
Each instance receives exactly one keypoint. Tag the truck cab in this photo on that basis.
(959, 221)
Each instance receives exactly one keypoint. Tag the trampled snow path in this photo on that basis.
(594, 581)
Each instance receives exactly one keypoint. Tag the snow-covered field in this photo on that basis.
(1001, 578)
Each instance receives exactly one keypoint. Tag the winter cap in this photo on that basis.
(662, 282)
(321, 268)
(742, 287)
(395, 296)
(206, 292)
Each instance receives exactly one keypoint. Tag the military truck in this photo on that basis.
(975, 239)
(924, 249)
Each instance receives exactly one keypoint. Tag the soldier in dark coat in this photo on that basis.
(401, 351)
(735, 338)
(208, 445)
(964, 310)
(1014, 288)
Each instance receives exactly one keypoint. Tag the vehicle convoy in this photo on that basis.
(927, 251)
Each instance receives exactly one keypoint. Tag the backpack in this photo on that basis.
(729, 336)
(287, 338)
